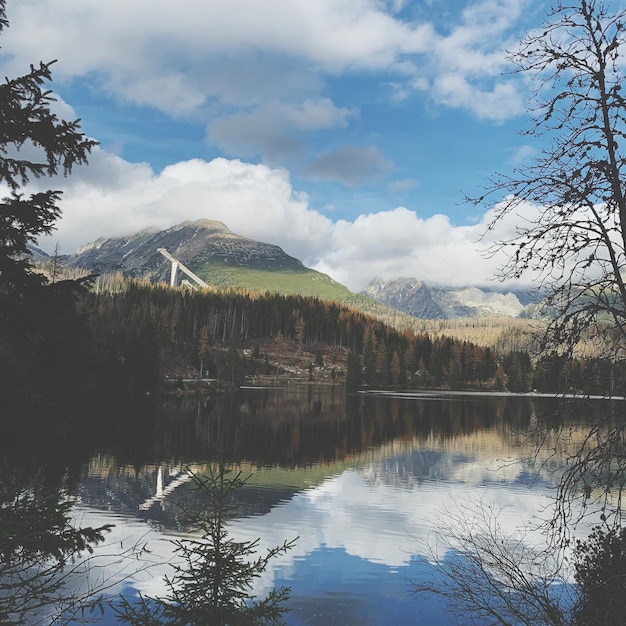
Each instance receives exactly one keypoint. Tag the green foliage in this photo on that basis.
(214, 583)
(38, 328)
(57, 146)
(600, 563)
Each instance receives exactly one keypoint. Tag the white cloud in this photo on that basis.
(401, 186)
(399, 243)
(348, 512)
(499, 103)
(523, 154)
(163, 53)
(188, 56)
(112, 197)
(467, 63)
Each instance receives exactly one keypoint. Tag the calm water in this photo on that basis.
(361, 480)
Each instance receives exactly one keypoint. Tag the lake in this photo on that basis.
(362, 480)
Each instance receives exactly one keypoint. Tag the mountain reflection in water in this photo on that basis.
(356, 477)
(295, 438)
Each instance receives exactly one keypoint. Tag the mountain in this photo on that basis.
(209, 249)
(197, 244)
(224, 259)
(414, 297)
(406, 294)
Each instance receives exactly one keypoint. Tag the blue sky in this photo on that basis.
(345, 131)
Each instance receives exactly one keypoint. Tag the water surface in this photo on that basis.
(362, 480)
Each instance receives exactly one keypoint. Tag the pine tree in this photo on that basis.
(27, 121)
(214, 582)
(29, 341)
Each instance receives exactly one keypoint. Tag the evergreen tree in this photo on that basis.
(353, 373)
(600, 563)
(27, 121)
(27, 303)
(44, 557)
(213, 585)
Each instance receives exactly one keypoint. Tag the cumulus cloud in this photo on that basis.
(499, 103)
(398, 243)
(112, 197)
(137, 48)
(467, 64)
(261, 78)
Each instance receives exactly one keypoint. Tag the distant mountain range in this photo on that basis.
(414, 297)
(225, 259)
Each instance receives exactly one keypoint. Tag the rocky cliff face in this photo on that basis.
(414, 297)
(193, 243)
(406, 294)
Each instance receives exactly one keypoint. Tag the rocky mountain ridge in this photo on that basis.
(414, 297)
(194, 243)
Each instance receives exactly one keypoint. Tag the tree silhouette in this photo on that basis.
(572, 240)
(27, 303)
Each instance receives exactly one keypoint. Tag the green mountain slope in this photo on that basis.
(304, 282)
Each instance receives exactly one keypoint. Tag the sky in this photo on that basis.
(348, 132)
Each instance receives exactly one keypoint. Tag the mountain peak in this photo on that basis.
(206, 224)
(413, 296)
(406, 294)
(198, 244)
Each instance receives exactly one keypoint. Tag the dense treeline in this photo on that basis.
(144, 331)
(147, 325)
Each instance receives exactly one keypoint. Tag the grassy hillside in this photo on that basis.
(288, 281)
(300, 282)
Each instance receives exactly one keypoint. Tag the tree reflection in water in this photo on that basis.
(47, 562)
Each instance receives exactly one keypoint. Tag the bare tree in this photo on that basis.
(569, 207)
(569, 211)
(487, 574)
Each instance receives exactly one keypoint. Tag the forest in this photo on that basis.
(142, 332)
